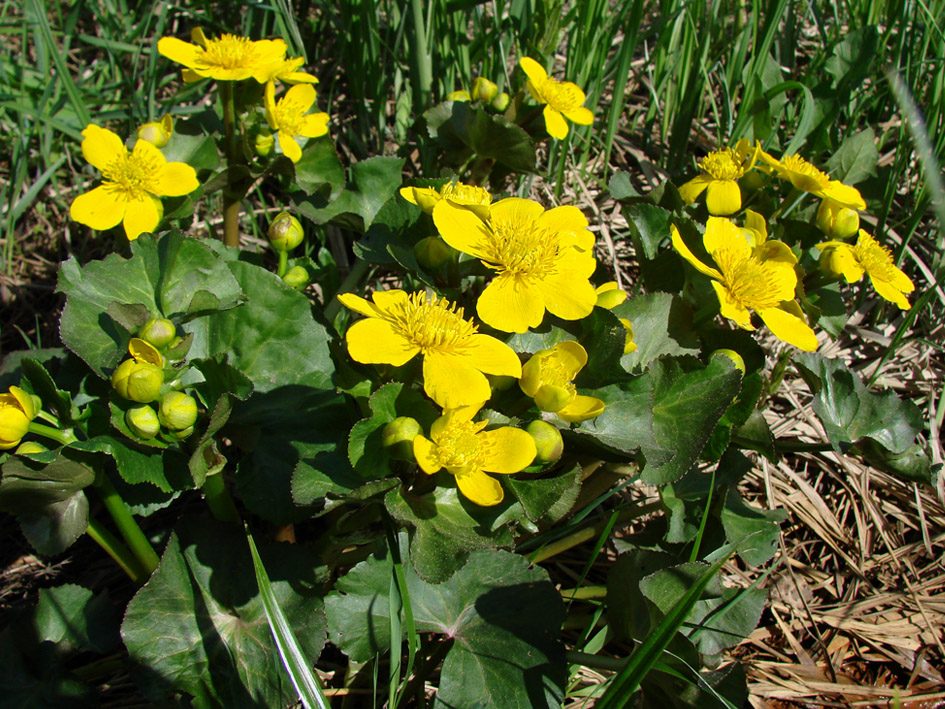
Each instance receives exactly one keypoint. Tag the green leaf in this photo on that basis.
(852, 58)
(741, 521)
(319, 167)
(189, 144)
(73, 618)
(39, 382)
(464, 131)
(604, 339)
(547, 500)
(621, 187)
(200, 626)
(137, 464)
(649, 227)
(627, 611)
(172, 276)
(503, 616)
(446, 527)
(662, 325)
(855, 159)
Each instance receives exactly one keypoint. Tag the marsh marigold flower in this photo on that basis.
(290, 117)
(543, 260)
(547, 378)
(749, 278)
(872, 258)
(460, 445)
(132, 183)
(804, 176)
(226, 58)
(16, 411)
(476, 198)
(562, 99)
(456, 357)
(287, 72)
(721, 171)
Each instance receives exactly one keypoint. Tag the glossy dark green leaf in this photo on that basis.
(662, 325)
(855, 159)
(464, 130)
(371, 183)
(74, 618)
(547, 499)
(319, 168)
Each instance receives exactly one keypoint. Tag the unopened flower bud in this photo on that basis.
(736, 358)
(297, 277)
(285, 232)
(501, 382)
(501, 101)
(17, 409)
(182, 434)
(837, 221)
(484, 90)
(29, 448)
(143, 421)
(159, 332)
(461, 95)
(398, 437)
(548, 441)
(177, 410)
(158, 133)
(432, 252)
(138, 380)
(263, 143)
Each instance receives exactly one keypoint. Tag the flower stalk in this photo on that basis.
(219, 500)
(117, 551)
(234, 190)
(127, 526)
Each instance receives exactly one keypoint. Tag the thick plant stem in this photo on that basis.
(283, 263)
(218, 499)
(232, 193)
(129, 529)
(117, 551)
(63, 438)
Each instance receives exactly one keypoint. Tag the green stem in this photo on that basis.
(283, 263)
(596, 662)
(588, 533)
(584, 592)
(232, 193)
(48, 418)
(421, 54)
(117, 551)
(784, 446)
(221, 504)
(126, 524)
(63, 438)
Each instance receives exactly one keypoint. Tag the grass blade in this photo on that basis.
(304, 680)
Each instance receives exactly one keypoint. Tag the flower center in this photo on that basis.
(561, 95)
(133, 175)
(750, 281)
(875, 258)
(465, 194)
(432, 325)
(795, 163)
(228, 52)
(554, 373)
(459, 450)
(722, 165)
(521, 248)
(290, 116)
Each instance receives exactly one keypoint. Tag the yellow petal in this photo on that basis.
(176, 179)
(511, 305)
(843, 261)
(480, 488)
(552, 397)
(101, 147)
(461, 228)
(177, 50)
(302, 94)
(423, 451)
(776, 251)
(844, 195)
(887, 291)
(555, 124)
(571, 221)
(531, 373)
(452, 381)
(492, 356)
(567, 294)
(25, 401)
(289, 145)
(141, 215)
(722, 234)
(757, 225)
(387, 299)
(684, 251)
(315, 125)
(533, 70)
(695, 187)
(514, 210)
(510, 450)
(732, 309)
(789, 328)
(580, 115)
(582, 408)
(723, 197)
(374, 341)
(102, 208)
(359, 305)
(570, 358)
(610, 295)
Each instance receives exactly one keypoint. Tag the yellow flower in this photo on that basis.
(228, 58)
(459, 444)
(291, 119)
(543, 260)
(16, 411)
(610, 295)
(456, 357)
(158, 133)
(476, 198)
(808, 178)
(132, 183)
(722, 169)
(760, 279)
(629, 345)
(547, 377)
(287, 71)
(484, 90)
(872, 258)
(562, 99)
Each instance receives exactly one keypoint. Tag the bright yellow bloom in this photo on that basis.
(722, 169)
(456, 357)
(459, 444)
(562, 99)
(131, 184)
(543, 260)
(227, 58)
(760, 279)
(629, 345)
(872, 258)
(158, 133)
(547, 378)
(291, 119)
(610, 295)
(476, 198)
(287, 71)
(808, 178)
(16, 411)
